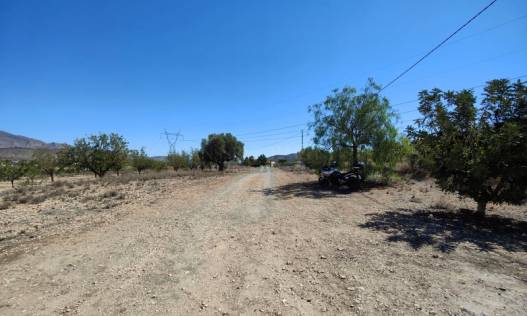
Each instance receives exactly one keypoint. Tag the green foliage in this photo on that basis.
(158, 165)
(11, 171)
(219, 148)
(139, 160)
(479, 154)
(249, 161)
(261, 160)
(315, 158)
(195, 159)
(30, 170)
(47, 161)
(179, 160)
(99, 153)
(347, 119)
(66, 160)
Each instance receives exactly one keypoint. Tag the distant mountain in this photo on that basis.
(17, 147)
(289, 158)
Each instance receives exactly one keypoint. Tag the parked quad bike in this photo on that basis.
(332, 177)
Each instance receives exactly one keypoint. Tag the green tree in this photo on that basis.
(178, 160)
(249, 161)
(195, 159)
(478, 154)
(219, 148)
(139, 160)
(47, 161)
(159, 165)
(99, 153)
(11, 171)
(315, 158)
(261, 160)
(347, 119)
(31, 170)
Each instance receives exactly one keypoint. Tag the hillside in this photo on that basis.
(17, 147)
(289, 158)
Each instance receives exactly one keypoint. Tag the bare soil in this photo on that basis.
(263, 242)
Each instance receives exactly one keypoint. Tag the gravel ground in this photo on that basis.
(264, 242)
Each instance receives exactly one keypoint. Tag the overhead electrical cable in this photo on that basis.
(438, 45)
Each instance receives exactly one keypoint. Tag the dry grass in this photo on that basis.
(4, 205)
(443, 204)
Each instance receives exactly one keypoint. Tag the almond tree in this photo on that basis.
(47, 161)
(476, 152)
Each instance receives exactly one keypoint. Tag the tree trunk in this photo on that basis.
(482, 206)
(221, 166)
(51, 175)
(12, 183)
(355, 160)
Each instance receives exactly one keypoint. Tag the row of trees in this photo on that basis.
(476, 151)
(252, 162)
(102, 153)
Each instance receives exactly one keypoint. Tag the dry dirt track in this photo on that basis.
(266, 243)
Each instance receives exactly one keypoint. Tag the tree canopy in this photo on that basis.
(219, 148)
(100, 153)
(477, 152)
(354, 120)
(348, 119)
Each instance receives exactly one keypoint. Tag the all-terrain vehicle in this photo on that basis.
(332, 177)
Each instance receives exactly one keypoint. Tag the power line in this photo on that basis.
(439, 45)
(272, 129)
(401, 60)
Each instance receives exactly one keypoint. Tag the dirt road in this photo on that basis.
(268, 242)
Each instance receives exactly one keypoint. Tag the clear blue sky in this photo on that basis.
(73, 68)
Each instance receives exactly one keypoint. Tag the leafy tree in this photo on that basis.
(249, 161)
(118, 153)
(139, 160)
(11, 171)
(315, 158)
(480, 154)
(66, 160)
(158, 165)
(99, 153)
(219, 148)
(178, 160)
(261, 160)
(47, 161)
(347, 119)
(195, 159)
(31, 170)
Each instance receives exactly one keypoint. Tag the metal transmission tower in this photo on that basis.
(172, 139)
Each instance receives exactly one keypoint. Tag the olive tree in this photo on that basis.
(219, 148)
(476, 152)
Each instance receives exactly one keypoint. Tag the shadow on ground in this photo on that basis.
(314, 190)
(445, 230)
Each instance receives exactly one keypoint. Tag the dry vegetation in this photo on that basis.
(256, 242)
